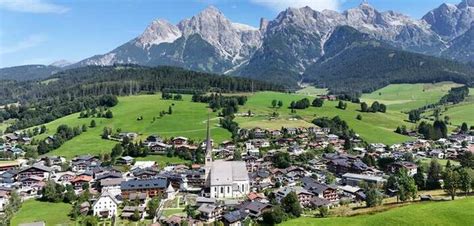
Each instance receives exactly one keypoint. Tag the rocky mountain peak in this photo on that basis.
(159, 31)
(451, 21)
(466, 3)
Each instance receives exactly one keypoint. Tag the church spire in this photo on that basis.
(208, 143)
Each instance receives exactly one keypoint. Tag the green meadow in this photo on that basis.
(405, 97)
(458, 212)
(374, 127)
(312, 91)
(188, 119)
(50, 213)
(462, 112)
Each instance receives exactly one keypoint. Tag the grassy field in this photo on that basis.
(374, 127)
(463, 112)
(458, 212)
(5, 124)
(404, 97)
(188, 119)
(312, 91)
(51, 213)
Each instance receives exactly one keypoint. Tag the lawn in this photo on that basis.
(174, 211)
(374, 127)
(405, 97)
(458, 212)
(51, 213)
(188, 119)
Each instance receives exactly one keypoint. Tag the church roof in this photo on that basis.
(227, 172)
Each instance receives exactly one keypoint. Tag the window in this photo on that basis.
(222, 189)
(228, 189)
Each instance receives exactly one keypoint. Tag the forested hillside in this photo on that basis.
(28, 72)
(364, 65)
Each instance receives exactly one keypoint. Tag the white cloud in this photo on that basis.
(279, 5)
(32, 6)
(27, 43)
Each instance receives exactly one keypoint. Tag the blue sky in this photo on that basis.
(44, 31)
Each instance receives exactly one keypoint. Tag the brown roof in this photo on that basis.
(82, 178)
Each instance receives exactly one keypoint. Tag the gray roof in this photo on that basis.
(363, 177)
(235, 216)
(207, 208)
(111, 182)
(38, 166)
(144, 184)
(315, 187)
(226, 172)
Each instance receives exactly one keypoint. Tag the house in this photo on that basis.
(320, 190)
(255, 209)
(105, 206)
(209, 212)
(111, 185)
(295, 149)
(234, 218)
(128, 211)
(85, 163)
(437, 153)
(37, 170)
(152, 187)
(7, 178)
(410, 167)
(317, 202)
(9, 165)
(65, 177)
(32, 181)
(125, 160)
(353, 179)
(178, 141)
(79, 181)
(304, 196)
(340, 164)
(154, 139)
(158, 147)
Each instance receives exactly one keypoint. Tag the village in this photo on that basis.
(237, 184)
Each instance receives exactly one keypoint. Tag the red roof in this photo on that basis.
(82, 178)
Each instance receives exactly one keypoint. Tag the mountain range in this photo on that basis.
(284, 49)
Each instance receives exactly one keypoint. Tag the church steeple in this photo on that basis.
(208, 159)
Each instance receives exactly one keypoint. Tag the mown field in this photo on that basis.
(50, 213)
(405, 97)
(374, 127)
(188, 119)
(462, 112)
(312, 91)
(458, 212)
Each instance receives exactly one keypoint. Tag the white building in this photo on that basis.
(226, 179)
(105, 206)
(229, 179)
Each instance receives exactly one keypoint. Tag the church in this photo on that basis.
(225, 179)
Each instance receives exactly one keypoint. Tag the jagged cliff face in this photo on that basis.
(292, 42)
(451, 21)
(206, 42)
